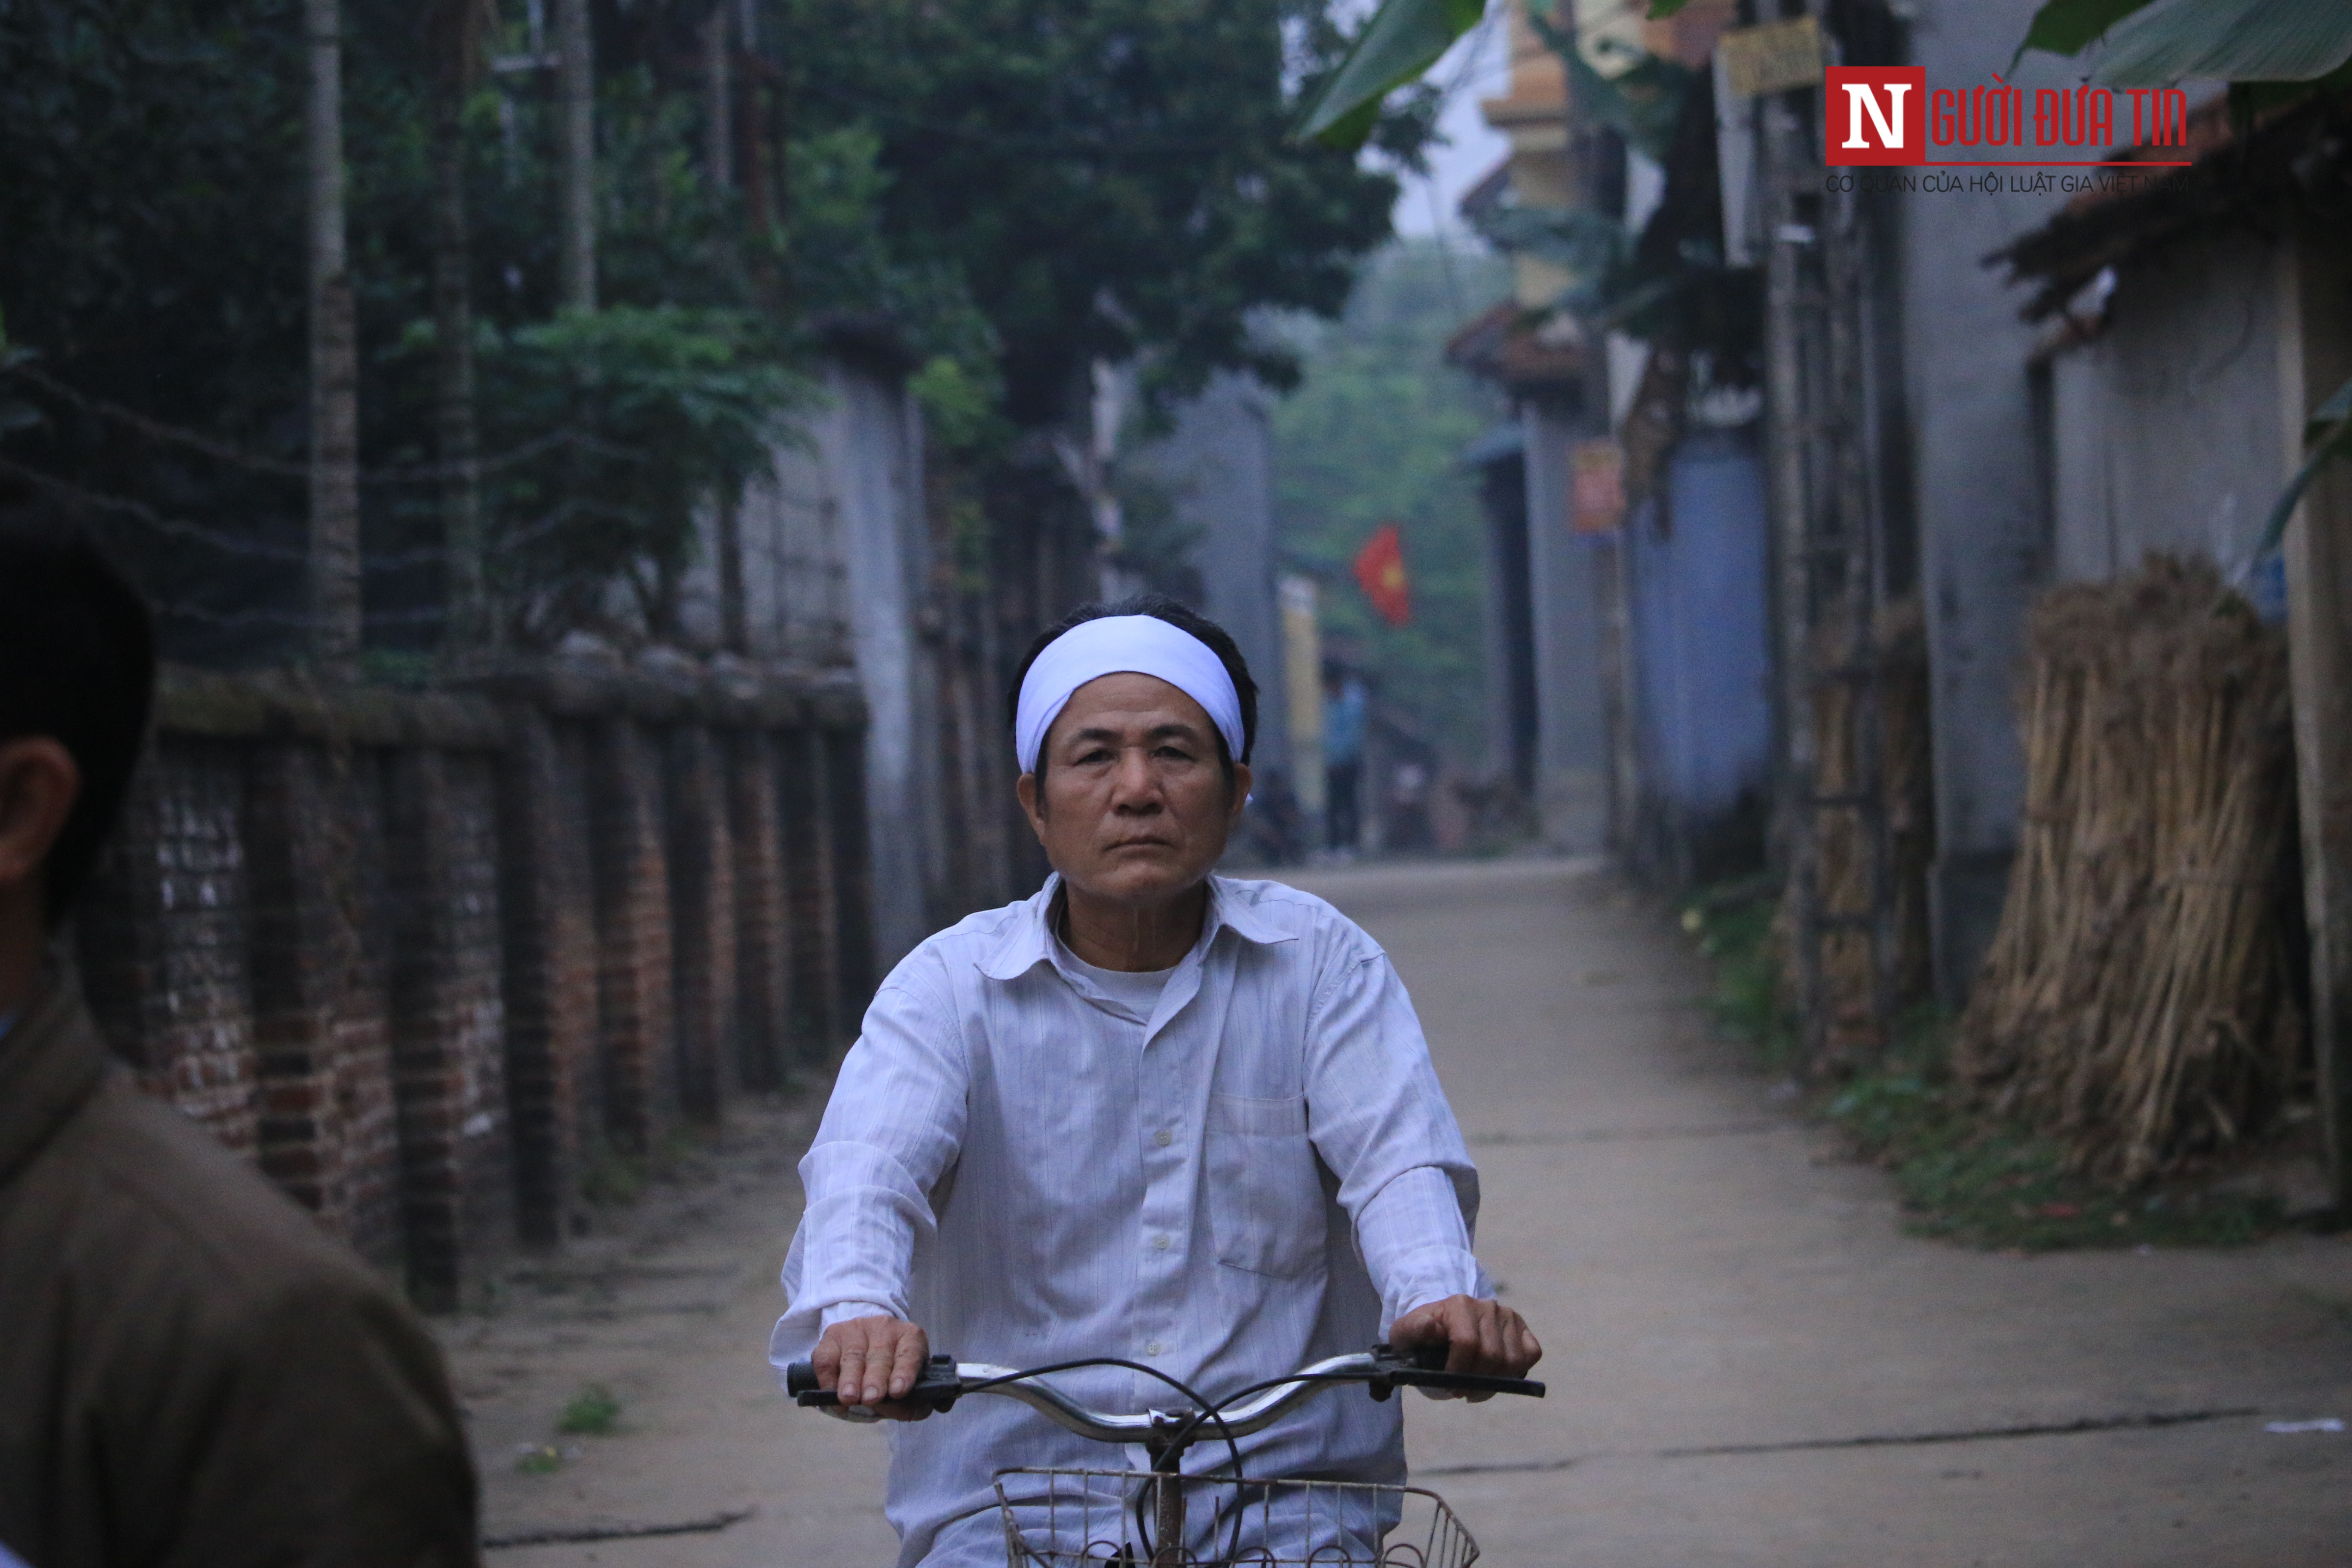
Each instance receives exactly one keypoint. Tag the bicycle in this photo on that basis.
(1057, 1518)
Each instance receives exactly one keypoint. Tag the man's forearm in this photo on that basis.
(854, 1247)
(1416, 1244)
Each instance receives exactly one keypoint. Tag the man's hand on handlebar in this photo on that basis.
(1485, 1337)
(872, 1363)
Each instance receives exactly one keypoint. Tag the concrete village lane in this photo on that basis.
(1750, 1362)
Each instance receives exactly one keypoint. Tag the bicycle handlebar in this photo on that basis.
(944, 1380)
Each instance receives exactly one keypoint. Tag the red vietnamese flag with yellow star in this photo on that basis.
(1379, 571)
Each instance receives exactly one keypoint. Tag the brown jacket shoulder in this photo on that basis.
(191, 1373)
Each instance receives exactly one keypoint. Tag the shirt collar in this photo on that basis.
(1027, 940)
(53, 1063)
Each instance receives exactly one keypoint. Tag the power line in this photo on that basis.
(420, 473)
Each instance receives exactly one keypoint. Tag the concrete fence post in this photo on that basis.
(327, 1131)
(763, 915)
(853, 880)
(446, 1018)
(547, 907)
(809, 876)
(636, 1022)
(702, 920)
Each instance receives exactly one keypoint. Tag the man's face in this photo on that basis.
(1133, 806)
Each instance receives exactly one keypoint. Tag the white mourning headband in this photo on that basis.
(1116, 645)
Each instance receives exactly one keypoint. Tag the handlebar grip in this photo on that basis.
(939, 1385)
(1470, 1383)
(1424, 1366)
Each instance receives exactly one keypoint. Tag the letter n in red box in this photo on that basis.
(1874, 114)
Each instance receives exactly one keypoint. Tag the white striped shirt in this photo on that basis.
(1018, 1162)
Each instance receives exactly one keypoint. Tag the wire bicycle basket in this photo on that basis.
(1141, 1519)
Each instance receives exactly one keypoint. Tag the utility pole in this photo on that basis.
(1829, 583)
(718, 166)
(334, 362)
(575, 46)
(456, 43)
(1781, 134)
(718, 98)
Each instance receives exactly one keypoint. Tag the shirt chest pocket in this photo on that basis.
(1264, 1196)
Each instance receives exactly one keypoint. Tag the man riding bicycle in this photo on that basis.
(1148, 1113)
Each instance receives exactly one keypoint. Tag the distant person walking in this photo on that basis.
(1343, 759)
(192, 1374)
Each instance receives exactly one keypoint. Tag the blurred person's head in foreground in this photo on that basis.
(208, 1376)
(76, 677)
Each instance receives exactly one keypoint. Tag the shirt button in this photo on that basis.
(1151, 1349)
(1163, 1138)
(1159, 1244)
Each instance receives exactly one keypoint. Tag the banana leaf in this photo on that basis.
(2070, 26)
(1404, 38)
(2328, 435)
(2237, 41)
(1643, 104)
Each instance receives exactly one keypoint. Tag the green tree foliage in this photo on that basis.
(1009, 189)
(1110, 178)
(663, 410)
(144, 268)
(1375, 434)
(155, 281)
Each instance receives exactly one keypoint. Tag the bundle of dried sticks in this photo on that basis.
(2136, 999)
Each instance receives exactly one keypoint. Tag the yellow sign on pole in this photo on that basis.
(1772, 57)
(1302, 681)
(1596, 487)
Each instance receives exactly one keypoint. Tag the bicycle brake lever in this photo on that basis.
(937, 1385)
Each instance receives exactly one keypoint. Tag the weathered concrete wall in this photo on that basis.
(2167, 433)
(871, 442)
(1703, 665)
(445, 968)
(1980, 506)
(1218, 464)
(835, 550)
(1565, 599)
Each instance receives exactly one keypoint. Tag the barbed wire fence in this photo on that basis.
(252, 545)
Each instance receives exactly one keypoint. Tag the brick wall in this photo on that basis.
(762, 912)
(313, 848)
(549, 956)
(167, 955)
(434, 962)
(811, 909)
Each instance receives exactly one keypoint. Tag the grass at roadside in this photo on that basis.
(1965, 1175)
(1969, 1176)
(1732, 924)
